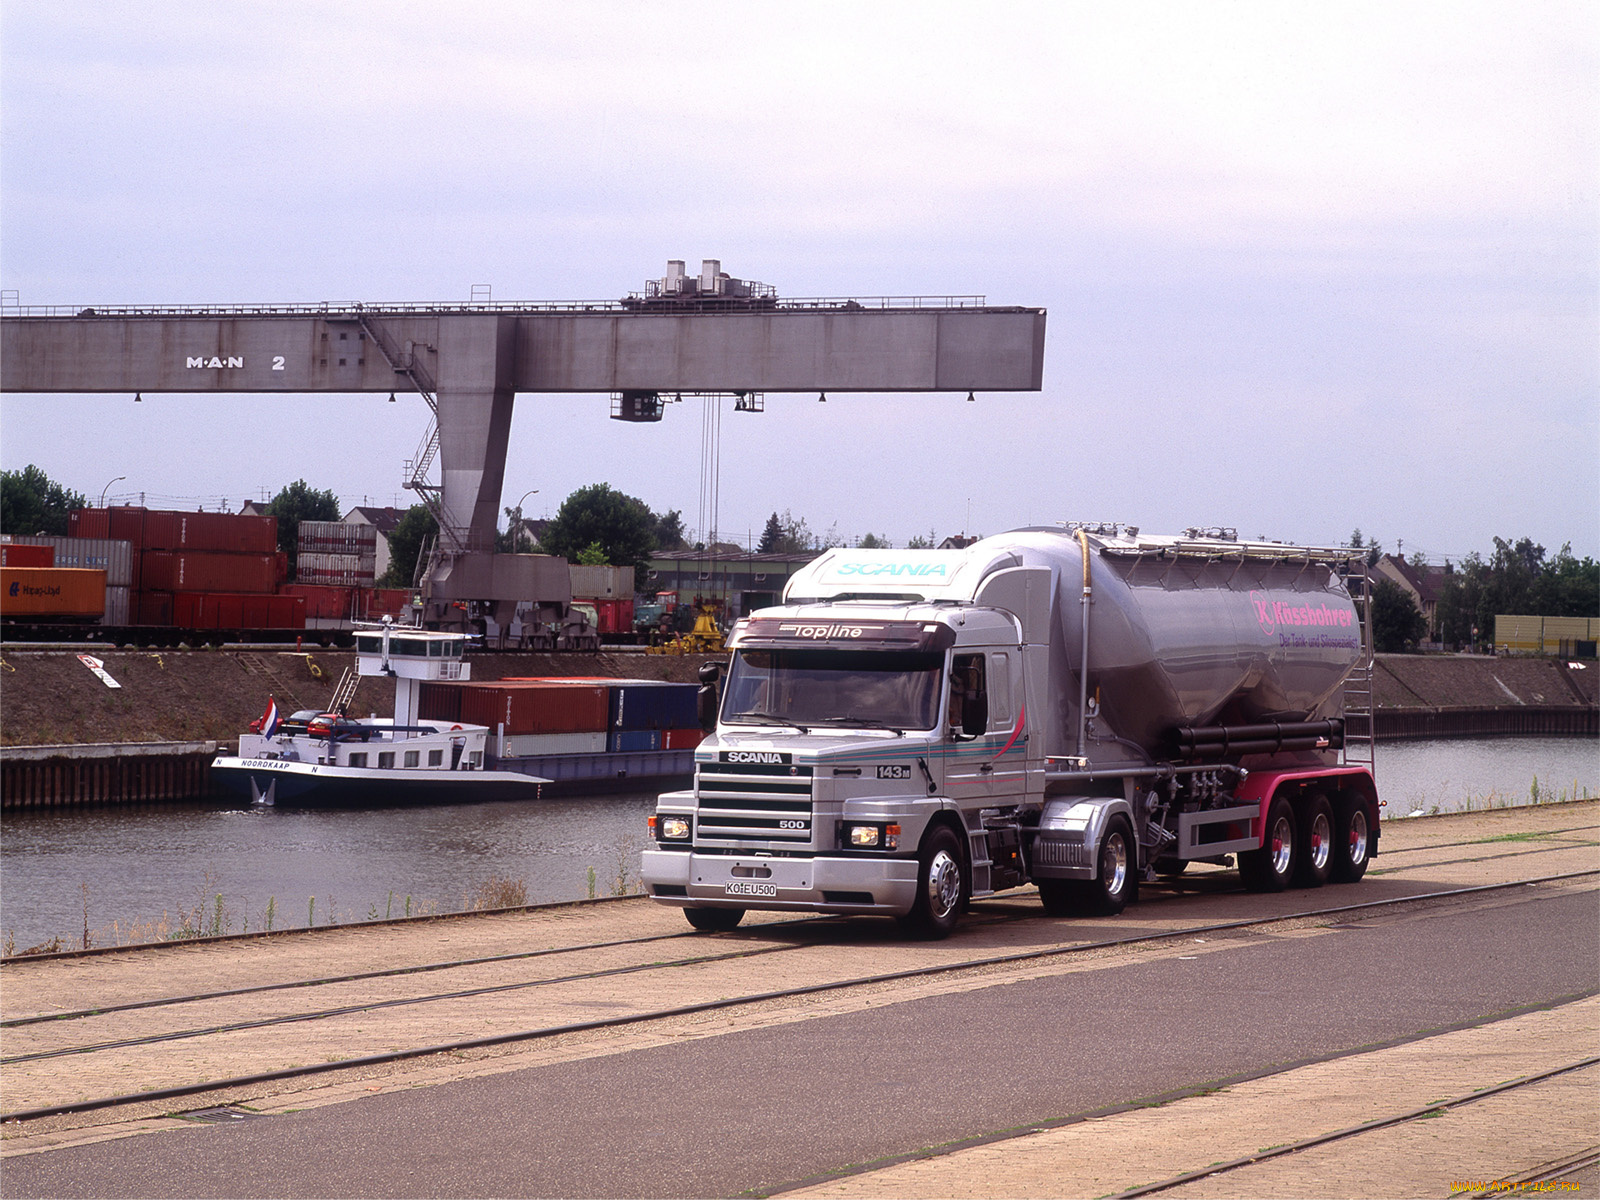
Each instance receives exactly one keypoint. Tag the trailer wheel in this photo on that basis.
(714, 920)
(1352, 838)
(1316, 841)
(941, 887)
(1270, 868)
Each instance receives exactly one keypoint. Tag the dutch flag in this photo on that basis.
(269, 719)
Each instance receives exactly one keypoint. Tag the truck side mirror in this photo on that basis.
(705, 700)
(975, 716)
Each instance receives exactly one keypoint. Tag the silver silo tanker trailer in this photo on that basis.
(1080, 710)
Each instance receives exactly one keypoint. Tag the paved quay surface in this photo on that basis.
(1134, 1068)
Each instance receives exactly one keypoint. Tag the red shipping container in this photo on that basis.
(88, 523)
(217, 532)
(27, 556)
(388, 602)
(437, 701)
(531, 707)
(327, 603)
(681, 739)
(213, 610)
(198, 571)
(153, 608)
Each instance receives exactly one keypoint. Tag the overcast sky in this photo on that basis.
(1308, 267)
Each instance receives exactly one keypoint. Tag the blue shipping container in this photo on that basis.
(649, 705)
(628, 740)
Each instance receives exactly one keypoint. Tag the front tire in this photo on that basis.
(1116, 879)
(941, 887)
(1270, 868)
(714, 920)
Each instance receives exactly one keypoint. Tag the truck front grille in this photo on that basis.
(753, 802)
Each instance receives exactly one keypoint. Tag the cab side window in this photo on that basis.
(969, 697)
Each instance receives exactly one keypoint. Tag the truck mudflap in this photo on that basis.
(857, 884)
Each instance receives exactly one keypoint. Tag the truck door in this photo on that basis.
(984, 767)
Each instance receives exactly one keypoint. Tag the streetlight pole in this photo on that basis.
(516, 536)
(107, 488)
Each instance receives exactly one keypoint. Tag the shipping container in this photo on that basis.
(336, 537)
(152, 608)
(70, 593)
(162, 529)
(115, 556)
(324, 602)
(439, 702)
(524, 745)
(223, 610)
(388, 602)
(535, 707)
(119, 607)
(606, 583)
(27, 556)
(200, 571)
(336, 570)
(682, 739)
(634, 740)
(653, 705)
(613, 616)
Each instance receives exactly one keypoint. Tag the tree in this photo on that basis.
(1397, 624)
(405, 545)
(621, 525)
(295, 503)
(669, 530)
(918, 542)
(770, 536)
(873, 541)
(31, 503)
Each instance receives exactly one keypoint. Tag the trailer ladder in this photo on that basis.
(1358, 699)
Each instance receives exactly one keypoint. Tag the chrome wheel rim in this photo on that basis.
(1321, 841)
(1358, 837)
(1282, 846)
(944, 884)
(1114, 864)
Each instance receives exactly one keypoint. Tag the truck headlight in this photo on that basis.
(670, 828)
(871, 837)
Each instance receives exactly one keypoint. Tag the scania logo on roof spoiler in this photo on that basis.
(754, 756)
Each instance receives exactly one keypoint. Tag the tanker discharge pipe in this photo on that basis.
(1083, 659)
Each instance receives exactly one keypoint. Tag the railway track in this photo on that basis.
(119, 1053)
(1427, 1112)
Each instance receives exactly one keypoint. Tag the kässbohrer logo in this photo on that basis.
(1270, 614)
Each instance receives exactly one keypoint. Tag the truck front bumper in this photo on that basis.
(854, 884)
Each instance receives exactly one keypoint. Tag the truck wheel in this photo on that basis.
(941, 887)
(1059, 897)
(1352, 839)
(1270, 868)
(1117, 879)
(714, 920)
(1316, 842)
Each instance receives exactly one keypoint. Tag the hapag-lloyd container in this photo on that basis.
(69, 592)
(115, 556)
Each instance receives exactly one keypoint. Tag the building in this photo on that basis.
(384, 520)
(743, 582)
(1423, 583)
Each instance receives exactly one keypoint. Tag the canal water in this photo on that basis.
(141, 874)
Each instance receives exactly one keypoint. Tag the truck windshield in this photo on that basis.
(860, 688)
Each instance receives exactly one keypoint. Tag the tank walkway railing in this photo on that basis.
(12, 307)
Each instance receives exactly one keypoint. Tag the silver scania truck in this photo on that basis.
(1079, 708)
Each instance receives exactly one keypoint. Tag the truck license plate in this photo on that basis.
(743, 887)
